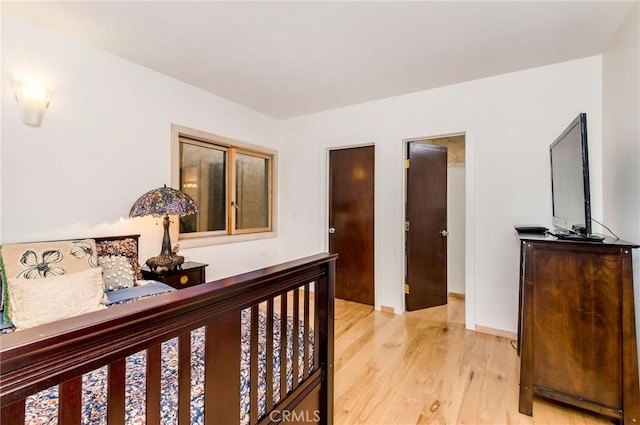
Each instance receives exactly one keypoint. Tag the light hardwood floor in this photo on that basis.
(425, 367)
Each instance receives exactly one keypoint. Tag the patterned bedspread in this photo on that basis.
(42, 408)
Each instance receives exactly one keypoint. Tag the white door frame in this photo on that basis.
(469, 219)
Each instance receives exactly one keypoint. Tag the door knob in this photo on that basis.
(332, 230)
(444, 233)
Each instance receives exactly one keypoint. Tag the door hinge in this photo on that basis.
(406, 288)
(406, 163)
(406, 226)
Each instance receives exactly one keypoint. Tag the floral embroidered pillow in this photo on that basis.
(126, 247)
(40, 260)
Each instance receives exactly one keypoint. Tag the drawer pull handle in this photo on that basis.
(184, 279)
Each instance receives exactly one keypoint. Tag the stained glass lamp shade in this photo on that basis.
(163, 202)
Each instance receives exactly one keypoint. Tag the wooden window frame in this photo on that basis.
(232, 147)
(194, 142)
(233, 151)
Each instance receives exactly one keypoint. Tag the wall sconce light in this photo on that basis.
(33, 100)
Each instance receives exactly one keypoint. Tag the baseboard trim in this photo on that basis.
(456, 295)
(387, 309)
(496, 332)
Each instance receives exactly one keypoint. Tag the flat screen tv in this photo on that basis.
(571, 193)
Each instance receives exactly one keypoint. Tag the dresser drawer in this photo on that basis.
(185, 279)
(189, 275)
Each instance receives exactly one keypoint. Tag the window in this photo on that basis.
(232, 183)
(251, 174)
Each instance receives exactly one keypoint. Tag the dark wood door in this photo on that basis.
(426, 213)
(351, 189)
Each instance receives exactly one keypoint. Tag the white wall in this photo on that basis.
(509, 122)
(104, 141)
(621, 139)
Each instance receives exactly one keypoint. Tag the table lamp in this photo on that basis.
(163, 202)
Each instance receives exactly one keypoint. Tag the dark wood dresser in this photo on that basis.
(576, 325)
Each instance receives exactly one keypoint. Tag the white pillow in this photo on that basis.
(33, 302)
(118, 272)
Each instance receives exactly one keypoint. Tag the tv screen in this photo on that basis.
(570, 178)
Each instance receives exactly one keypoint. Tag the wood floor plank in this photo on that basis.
(424, 367)
(370, 367)
(432, 385)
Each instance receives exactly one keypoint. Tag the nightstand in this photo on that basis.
(190, 274)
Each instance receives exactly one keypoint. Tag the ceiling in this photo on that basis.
(293, 58)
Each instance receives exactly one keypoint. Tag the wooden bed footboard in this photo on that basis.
(299, 294)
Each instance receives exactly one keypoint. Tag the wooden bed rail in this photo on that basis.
(60, 353)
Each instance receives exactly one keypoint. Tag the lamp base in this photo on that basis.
(163, 261)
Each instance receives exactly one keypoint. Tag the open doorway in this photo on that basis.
(434, 221)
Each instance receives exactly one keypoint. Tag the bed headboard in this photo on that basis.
(117, 238)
